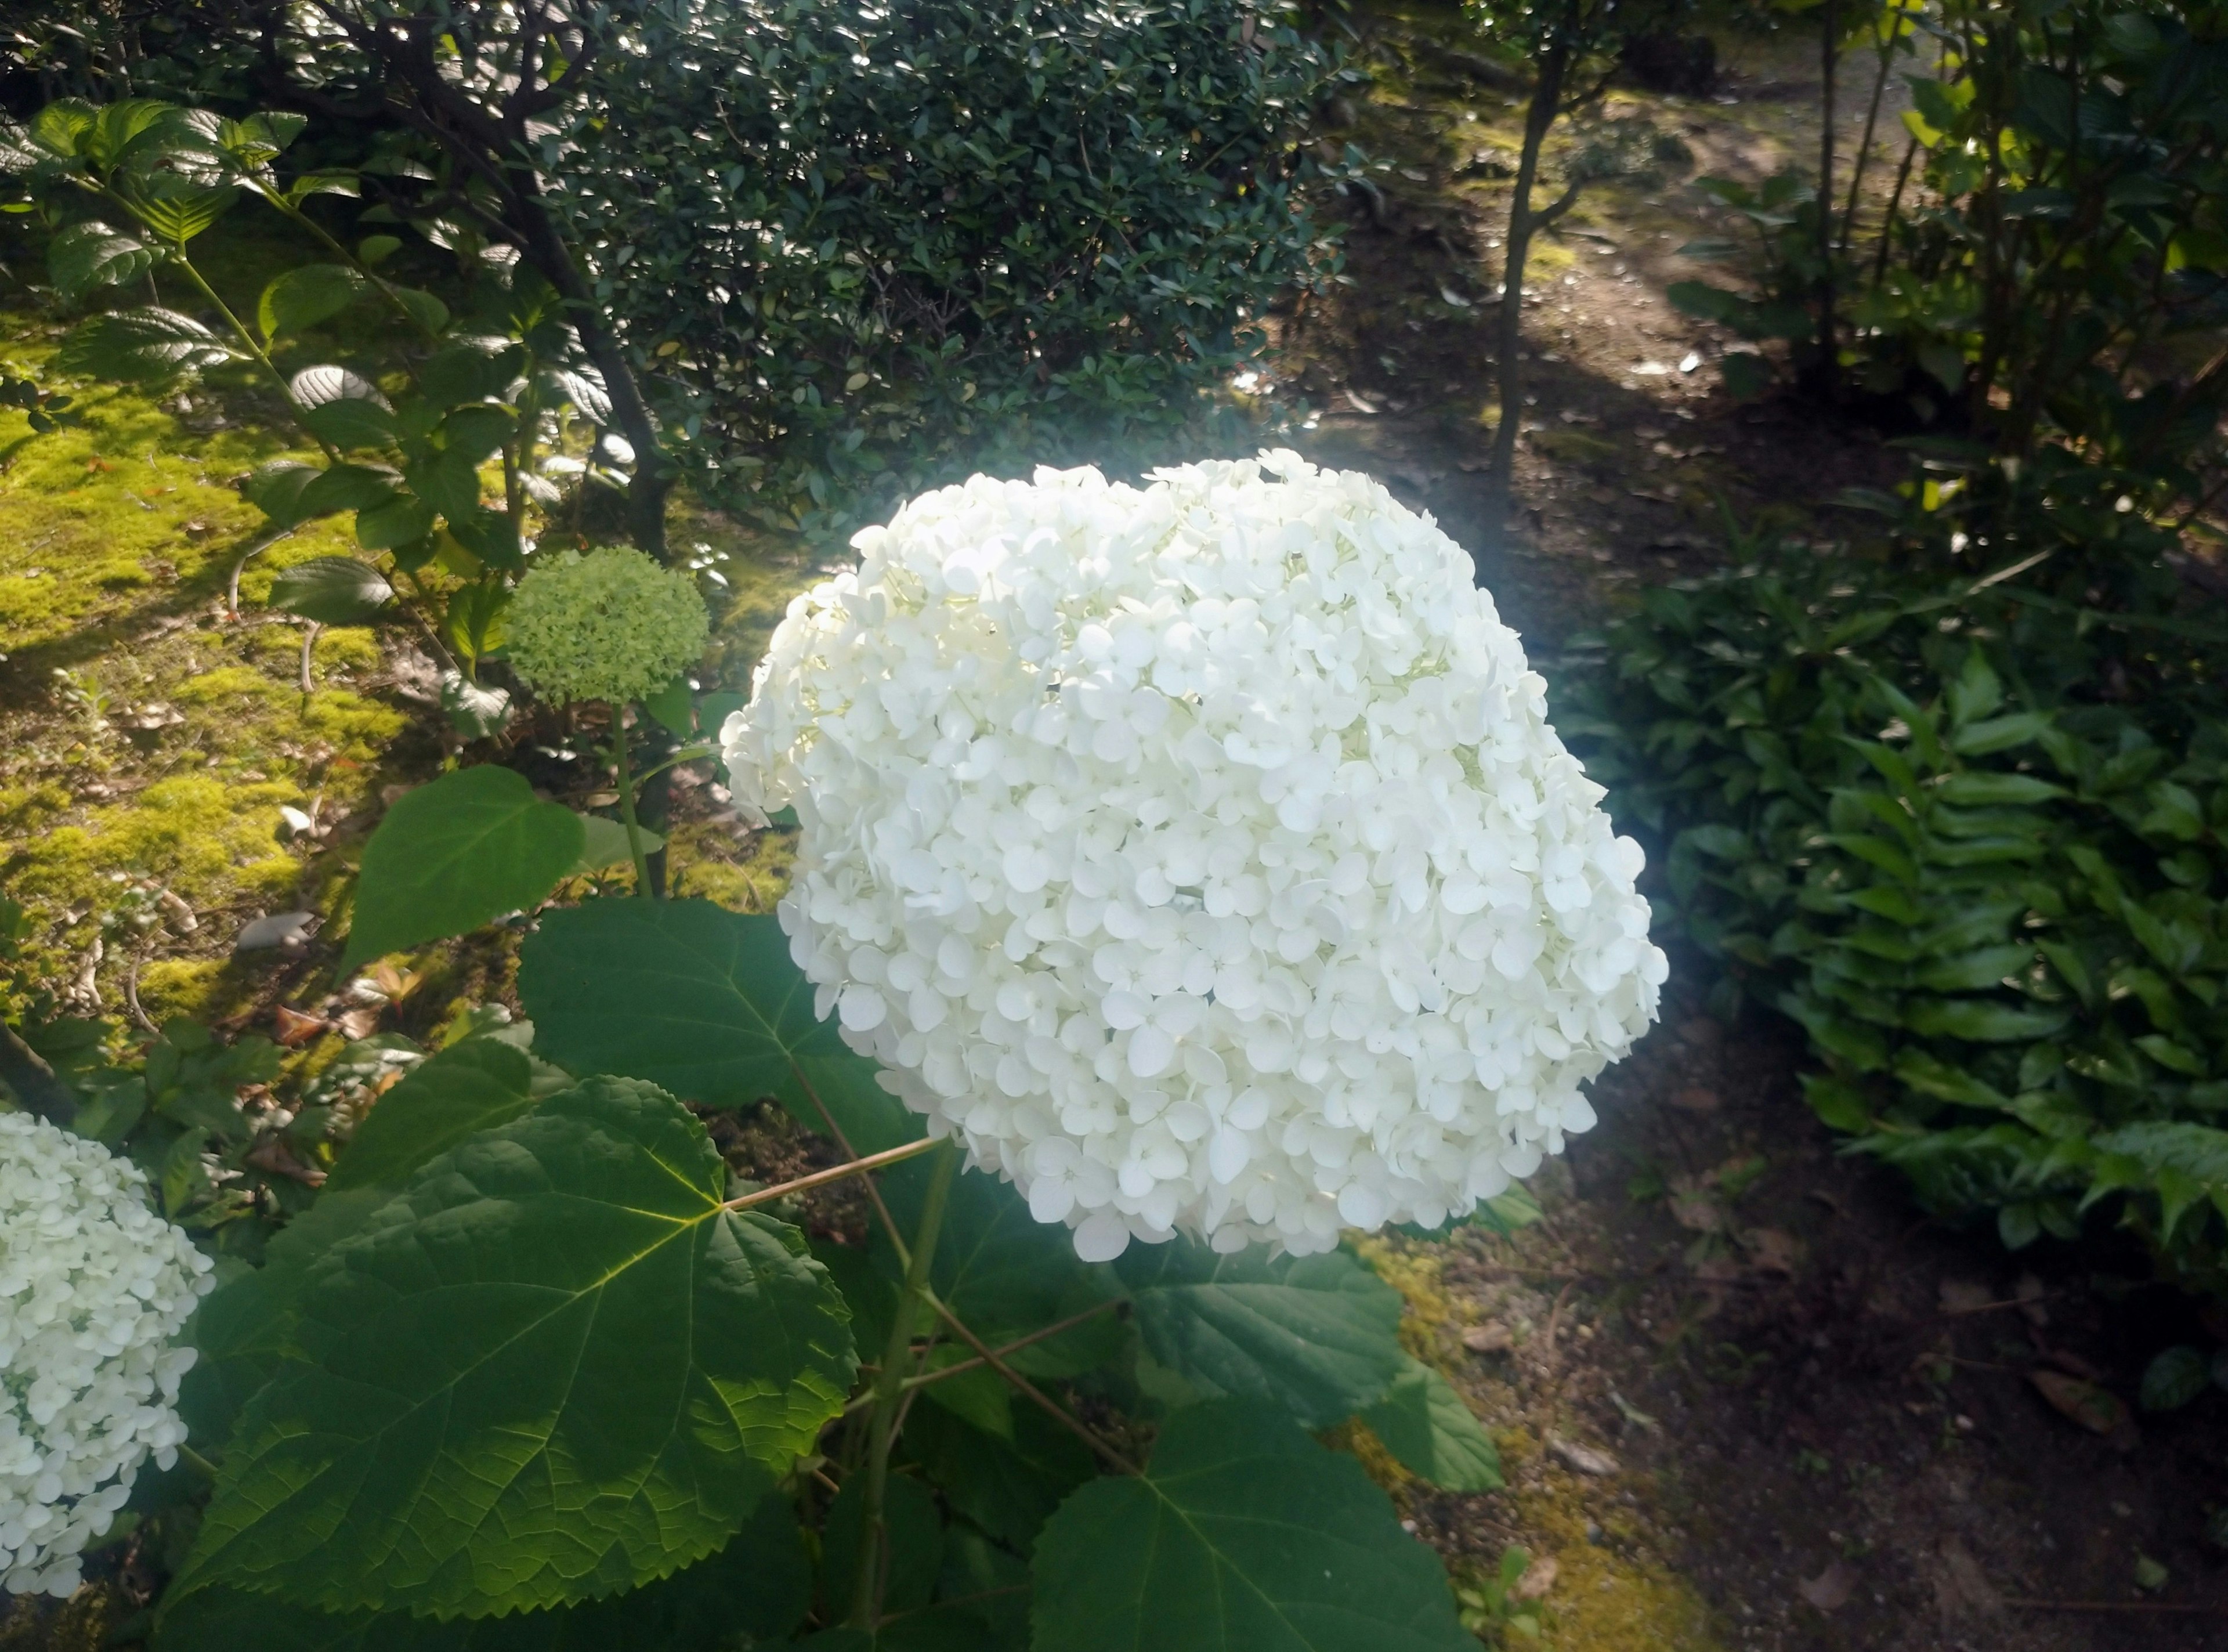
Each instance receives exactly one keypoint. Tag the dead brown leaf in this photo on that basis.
(1770, 1251)
(1695, 1099)
(1492, 1337)
(1961, 1586)
(294, 1029)
(1583, 1459)
(2096, 1407)
(1831, 1590)
(359, 1023)
(1539, 1577)
(274, 1156)
(1694, 1207)
(1964, 1296)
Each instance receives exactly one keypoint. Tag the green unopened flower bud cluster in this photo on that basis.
(610, 625)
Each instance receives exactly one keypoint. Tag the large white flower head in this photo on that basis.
(1199, 855)
(93, 1285)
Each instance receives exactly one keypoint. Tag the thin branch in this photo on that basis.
(978, 1363)
(821, 1178)
(1052, 1408)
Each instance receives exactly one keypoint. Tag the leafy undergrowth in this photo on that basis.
(165, 775)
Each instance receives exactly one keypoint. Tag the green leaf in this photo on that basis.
(1977, 971)
(313, 387)
(470, 370)
(144, 346)
(455, 853)
(351, 423)
(1977, 790)
(704, 1002)
(477, 431)
(276, 489)
(377, 249)
(404, 518)
(300, 299)
(332, 590)
(450, 482)
(177, 210)
(759, 1585)
(474, 709)
(671, 707)
(90, 254)
(1008, 1486)
(1003, 1271)
(1998, 734)
(1317, 1337)
(1980, 1020)
(2173, 1379)
(425, 308)
(346, 487)
(1434, 1434)
(607, 843)
(467, 1088)
(1242, 1535)
(554, 1367)
(914, 1535)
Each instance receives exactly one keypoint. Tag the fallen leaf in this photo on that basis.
(295, 1029)
(1695, 1099)
(1583, 1459)
(2150, 1575)
(2094, 1406)
(1770, 1251)
(274, 1156)
(1693, 1207)
(1361, 404)
(2029, 1293)
(1831, 1590)
(1963, 1296)
(1539, 1577)
(360, 1023)
(284, 932)
(1960, 1585)
(1492, 1337)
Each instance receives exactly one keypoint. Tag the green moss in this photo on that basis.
(208, 989)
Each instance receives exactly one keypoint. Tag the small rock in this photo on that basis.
(282, 932)
(1492, 1337)
(1581, 1459)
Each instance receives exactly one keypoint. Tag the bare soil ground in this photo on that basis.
(1751, 1397)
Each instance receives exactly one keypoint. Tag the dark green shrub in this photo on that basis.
(1972, 834)
(863, 249)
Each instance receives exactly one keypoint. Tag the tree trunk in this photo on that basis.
(1546, 96)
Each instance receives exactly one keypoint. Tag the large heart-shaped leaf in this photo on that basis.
(1317, 1337)
(455, 853)
(704, 1002)
(143, 346)
(759, 1585)
(1434, 1434)
(1242, 1535)
(332, 590)
(470, 1088)
(554, 1367)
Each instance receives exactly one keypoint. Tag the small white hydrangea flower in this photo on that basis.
(1201, 856)
(93, 1285)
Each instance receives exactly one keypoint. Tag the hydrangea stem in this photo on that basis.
(889, 1386)
(620, 761)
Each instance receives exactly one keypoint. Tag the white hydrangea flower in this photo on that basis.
(1201, 856)
(93, 1285)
